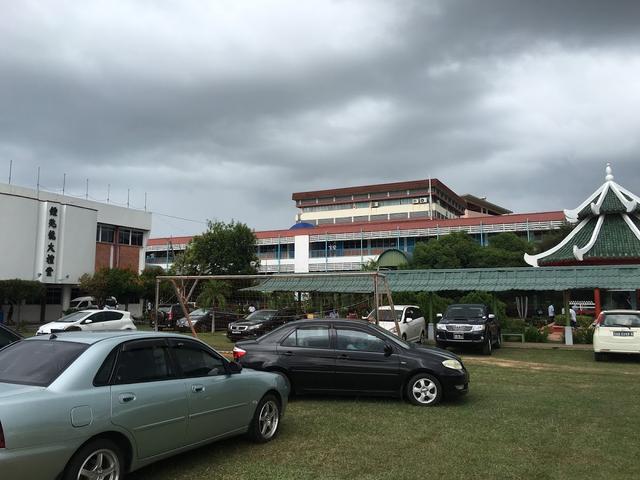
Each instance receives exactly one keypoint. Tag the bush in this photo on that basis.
(583, 335)
(488, 299)
(532, 334)
(512, 325)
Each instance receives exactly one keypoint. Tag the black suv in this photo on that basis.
(469, 324)
(260, 322)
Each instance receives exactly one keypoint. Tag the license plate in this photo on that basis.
(623, 334)
(458, 336)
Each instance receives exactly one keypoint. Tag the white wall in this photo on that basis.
(18, 226)
(77, 244)
(301, 263)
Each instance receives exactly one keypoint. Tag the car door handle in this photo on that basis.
(343, 356)
(126, 397)
(197, 388)
(287, 353)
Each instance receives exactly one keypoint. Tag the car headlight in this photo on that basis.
(441, 327)
(253, 327)
(477, 328)
(454, 364)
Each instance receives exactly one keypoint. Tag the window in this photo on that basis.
(6, 337)
(309, 337)
(111, 316)
(124, 238)
(195, 361)
(104, 374)
(359, 340)
(136, 237)
(143, 361)
(37, 362)
(106, 234)
(96, 317)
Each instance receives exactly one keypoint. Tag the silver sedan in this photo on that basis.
(98, 405)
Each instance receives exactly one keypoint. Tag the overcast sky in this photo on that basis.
(221, 109)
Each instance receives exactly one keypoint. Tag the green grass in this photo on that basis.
(539, 414)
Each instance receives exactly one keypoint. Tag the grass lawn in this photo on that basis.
(529, 414)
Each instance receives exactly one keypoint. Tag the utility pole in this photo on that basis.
(38, 183)
(86, 195)
(64, 182)
(10, 170)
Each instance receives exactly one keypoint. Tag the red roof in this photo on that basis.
(391, 225)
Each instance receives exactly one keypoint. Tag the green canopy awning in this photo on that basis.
(622, 277)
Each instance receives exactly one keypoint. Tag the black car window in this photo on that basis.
(111, 316)
(418, 313)
(409, 313)
(358, 340)
(104, 374)
(309, 337)
(96, 317)
(195, 361)
(143, 361)
(6, 337)
(37, 362)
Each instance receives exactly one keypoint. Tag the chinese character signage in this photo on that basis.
(51, 243)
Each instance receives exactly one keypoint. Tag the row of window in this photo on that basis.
(365, 196)
(126, 236)
(380, 203)
(346, 339)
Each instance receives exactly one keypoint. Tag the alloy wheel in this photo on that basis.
(268, 419)
(102, 464)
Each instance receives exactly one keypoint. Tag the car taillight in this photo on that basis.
(2, 442)
(238, 353)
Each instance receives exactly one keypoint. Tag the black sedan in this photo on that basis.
(260, 322)
(8, 336)
(201, 320)
(355, 357)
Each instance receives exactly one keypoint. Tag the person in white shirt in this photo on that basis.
(573, 316)
(552, 314)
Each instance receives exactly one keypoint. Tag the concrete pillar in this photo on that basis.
(66, 297)
(568, 335)
(431, 331)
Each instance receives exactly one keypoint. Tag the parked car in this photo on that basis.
(90, 320)
(8, 336)
(90, 303)
(167, 315)
(115, 402)
(201, 320)
(469, 324)
(354, 357)
(410, 319)
(616, 331)
(260, 322)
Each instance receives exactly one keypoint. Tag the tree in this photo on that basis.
(225, 248)
(148, 285)
(120, 283)
(16, 291)
(552, 239)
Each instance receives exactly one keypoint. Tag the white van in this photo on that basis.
(410, 319)
(617, 331)
(90, 303)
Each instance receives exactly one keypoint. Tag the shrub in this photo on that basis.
(512, 325)
(583, 335)
(532, 334)
(488, 299)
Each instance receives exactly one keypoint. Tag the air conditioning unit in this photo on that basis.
(415, 200)
(375, 204)
(423, 200)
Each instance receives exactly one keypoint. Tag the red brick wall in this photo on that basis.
(128, 257)
(103, 255)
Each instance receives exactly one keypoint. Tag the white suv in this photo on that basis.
(92, 320)
(617, 331)
(410, 319)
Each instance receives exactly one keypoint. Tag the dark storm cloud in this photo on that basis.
(222, 109)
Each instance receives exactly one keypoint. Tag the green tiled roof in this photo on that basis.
(612, 204)
(615, 241)
(625, 277)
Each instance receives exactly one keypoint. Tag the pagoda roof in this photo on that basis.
(608, 229)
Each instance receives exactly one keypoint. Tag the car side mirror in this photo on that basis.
(491, 316)
(87, 321)
(234, 367)
(438, 315)
(408, 319)
(388, 350)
